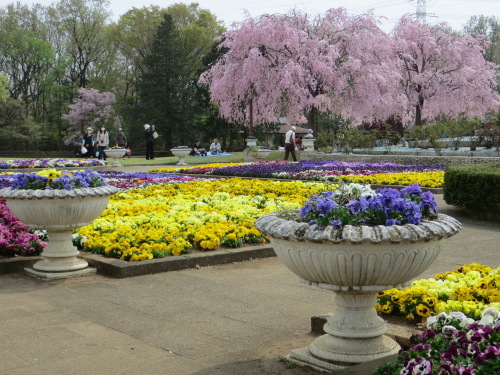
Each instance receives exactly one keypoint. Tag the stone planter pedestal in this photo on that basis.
(181, 153)
(58, 212)
(251, 142)
(355, 263)
(308, 144)
(116, 154)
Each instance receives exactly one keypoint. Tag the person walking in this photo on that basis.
(102, 143)
(150, 130)
(88, 143)
(290, 144)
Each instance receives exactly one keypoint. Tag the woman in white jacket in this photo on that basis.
(102, 143)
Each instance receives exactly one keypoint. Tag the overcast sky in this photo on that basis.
(455, 12)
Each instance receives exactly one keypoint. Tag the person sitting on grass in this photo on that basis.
(197, 150)
(215, 147)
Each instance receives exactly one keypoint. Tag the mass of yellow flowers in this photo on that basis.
(170, 219)
(187, 167)
(427, 179)
(470, 289)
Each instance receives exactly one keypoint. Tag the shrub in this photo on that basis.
(473, 186)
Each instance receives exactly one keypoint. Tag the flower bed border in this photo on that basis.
(116, 268)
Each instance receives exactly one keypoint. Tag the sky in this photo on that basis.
(454, 12)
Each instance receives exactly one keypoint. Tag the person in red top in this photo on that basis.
(298, 143)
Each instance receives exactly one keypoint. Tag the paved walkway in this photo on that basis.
(230, 319)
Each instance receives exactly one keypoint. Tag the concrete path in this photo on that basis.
(231, 319)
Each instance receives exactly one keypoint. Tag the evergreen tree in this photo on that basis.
(165, 87)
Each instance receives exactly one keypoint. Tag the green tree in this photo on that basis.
(165, 87)
(82, 24)
(490, 28)
(25, 60)
(4, 88)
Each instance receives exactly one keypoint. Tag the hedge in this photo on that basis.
(473, 186)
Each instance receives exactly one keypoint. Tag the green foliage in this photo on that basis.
(473, 186)
(164, 85)
(4, 88)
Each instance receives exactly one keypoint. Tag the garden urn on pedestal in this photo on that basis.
(181, 153)
(251, 142)
(58, 212)
(355, 263)
(308, 144)
(116, 154)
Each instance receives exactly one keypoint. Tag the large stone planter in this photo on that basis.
(308, 144)
(116, 154)
(355, 264)
(58, 212)
(261, 154)
(181, 153)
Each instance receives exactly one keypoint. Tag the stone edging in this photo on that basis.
(117, 268)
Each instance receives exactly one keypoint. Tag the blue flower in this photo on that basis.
(337, 224)
(326, 205)
(354, 206)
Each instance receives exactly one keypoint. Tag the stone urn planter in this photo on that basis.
(308, 144)
(58, 212)
(181, 153)
(116, 154)
(355, 263)
(261, 154)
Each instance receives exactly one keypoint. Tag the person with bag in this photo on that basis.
(102, 143)
(88, 144)
(151, 134)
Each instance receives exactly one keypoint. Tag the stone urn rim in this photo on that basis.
(8, 193)
(428, 230)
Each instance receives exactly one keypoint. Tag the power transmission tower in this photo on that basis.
(421, 13)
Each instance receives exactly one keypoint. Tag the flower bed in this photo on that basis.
(163, 220)
(16, 238)
(50, 163)
(127, 181)
(469, 289)
(368, 173)
(452, 345)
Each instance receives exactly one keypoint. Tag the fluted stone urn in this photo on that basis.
(116, 154)
(355, 263)
(181, 153)
(58, 212)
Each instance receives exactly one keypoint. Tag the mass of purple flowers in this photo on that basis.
(473, 349)
(68, 181)
(50, 163)
(385, 207)
(15, 237)
(282, 169)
